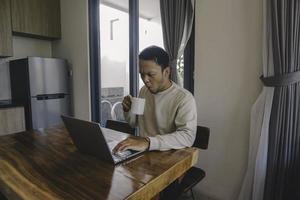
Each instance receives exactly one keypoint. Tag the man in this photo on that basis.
(170, 115)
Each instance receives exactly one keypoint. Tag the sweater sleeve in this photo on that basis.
(186, 126)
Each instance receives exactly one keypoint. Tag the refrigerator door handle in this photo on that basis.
(50, 96)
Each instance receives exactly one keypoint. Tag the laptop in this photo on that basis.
(90, 138)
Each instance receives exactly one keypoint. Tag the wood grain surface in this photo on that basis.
(40, 18)
(46, 165)
(5, 29)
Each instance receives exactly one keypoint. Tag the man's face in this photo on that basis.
(153, 77)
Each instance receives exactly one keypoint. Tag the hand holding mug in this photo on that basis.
(126, 103)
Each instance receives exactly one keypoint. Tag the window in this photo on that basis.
(150, 28)
(114, 45)
(117, 34)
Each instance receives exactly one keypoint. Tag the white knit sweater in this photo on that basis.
(169, 120)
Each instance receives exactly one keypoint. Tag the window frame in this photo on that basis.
(95, 62)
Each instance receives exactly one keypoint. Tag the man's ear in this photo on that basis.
(167, 71)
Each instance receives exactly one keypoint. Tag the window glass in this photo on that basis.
(114, 41)
(150, 29)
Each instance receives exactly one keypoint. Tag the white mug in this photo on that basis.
(137, 105)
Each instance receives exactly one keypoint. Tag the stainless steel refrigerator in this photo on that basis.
(41, 85)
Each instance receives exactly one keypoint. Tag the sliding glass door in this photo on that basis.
(150, 29)
(114, 44)
(125, 27)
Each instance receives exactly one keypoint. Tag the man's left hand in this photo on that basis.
(133, 143)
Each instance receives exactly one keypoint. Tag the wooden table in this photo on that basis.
(46, 165)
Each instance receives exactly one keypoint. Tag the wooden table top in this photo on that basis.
(46, 165)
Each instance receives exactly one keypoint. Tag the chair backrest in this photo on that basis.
(202, 137)
(120, 126)
(117, 111)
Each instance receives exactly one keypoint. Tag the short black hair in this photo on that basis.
(156, 54)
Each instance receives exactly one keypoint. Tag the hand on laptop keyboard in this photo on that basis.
(122, 154)
(133, 143)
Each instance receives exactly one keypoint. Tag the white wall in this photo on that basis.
(74, 47)
(228, 64)
(22, 47)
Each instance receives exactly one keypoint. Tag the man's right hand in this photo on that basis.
(126, 103)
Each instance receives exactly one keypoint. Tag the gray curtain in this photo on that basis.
(283, 163)
(177, 20)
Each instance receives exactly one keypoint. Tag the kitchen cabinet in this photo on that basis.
(5, 29)
(12, 120)
(36, 18)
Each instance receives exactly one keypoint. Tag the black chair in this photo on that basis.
(194, 175)
(120, 126)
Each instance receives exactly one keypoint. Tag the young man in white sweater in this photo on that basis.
(170, 115)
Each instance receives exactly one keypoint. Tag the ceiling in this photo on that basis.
(148, 9)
